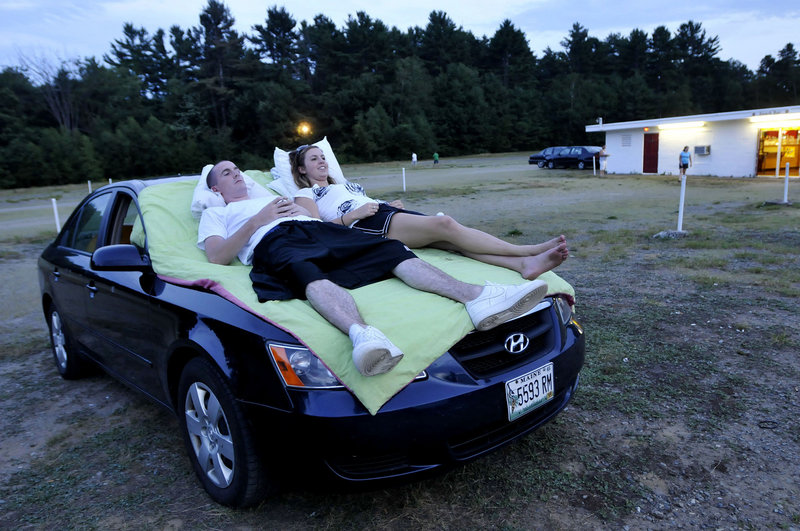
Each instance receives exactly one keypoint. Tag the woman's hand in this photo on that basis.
(364, 211)
(396, 203)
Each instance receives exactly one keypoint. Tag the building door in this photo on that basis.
(650, 159)
(770, 142)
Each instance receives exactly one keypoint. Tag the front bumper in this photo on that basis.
(431, 424)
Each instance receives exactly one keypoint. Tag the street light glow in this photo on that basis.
(304, 129)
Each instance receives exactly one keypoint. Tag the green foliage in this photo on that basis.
(171, 101)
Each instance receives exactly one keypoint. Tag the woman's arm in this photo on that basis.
(364, 211)
(308, 204)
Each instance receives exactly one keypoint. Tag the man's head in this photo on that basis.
(226, 179)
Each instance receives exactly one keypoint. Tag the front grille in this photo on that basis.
(483, 355)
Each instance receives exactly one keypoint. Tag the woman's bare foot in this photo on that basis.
(540, 248)
(533, 266)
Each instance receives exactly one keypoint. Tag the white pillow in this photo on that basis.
(284, 182)
(284, 186)
(204, 197)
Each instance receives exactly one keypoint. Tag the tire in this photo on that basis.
(551, 164)
(70, 364)
(218, 438)
(540, 164)
(581, 165)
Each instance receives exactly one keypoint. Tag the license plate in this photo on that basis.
(529, 391)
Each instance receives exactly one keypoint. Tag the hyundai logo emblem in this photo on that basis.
(516, 343)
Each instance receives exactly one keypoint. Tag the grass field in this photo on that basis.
(686, 417)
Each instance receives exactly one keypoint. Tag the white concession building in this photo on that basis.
(726, 144)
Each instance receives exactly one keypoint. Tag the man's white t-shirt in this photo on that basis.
(335, 200)
(225, 221)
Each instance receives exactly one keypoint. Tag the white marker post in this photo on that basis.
(680, 205)
(404, 179)
(786, 186)
(55, 213)
(89, 184)
(594, 166)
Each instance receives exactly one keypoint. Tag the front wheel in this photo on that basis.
(581, 165)
(70, 364)
(217, 436)
(540, 164)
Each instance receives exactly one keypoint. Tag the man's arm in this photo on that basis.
(222, 251)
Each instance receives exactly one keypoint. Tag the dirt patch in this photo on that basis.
(686, 416)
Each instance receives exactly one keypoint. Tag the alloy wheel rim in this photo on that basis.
(209, 433)
(59, 340)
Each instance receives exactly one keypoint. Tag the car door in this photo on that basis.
(555, 158)
(129, 331)
(574, 156)
(70, 258)
(563, 157)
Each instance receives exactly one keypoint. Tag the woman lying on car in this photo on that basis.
(348, 205)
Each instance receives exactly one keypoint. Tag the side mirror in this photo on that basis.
(121, 257)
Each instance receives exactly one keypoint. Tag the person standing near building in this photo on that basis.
(436, 158)
(413, 159)
(684, 160)
(603, 155)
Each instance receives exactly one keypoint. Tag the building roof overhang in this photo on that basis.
(772, 112)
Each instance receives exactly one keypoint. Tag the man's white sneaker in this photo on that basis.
(373, 353)
(498, 303)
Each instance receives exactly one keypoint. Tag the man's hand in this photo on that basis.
(280, 207)
(221, 250)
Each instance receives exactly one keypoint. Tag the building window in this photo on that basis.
(626, 140)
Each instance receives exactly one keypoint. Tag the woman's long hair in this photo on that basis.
(298, 160)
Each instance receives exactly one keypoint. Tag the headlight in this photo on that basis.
(300, 368)
(564, 310)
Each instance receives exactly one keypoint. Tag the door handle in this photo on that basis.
(92, 290)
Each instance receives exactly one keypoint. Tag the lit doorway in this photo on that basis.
(769, 142)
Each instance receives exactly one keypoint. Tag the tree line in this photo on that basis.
(170, 102)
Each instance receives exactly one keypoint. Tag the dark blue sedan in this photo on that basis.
(575, 157)
(253, 403)
(541, 158)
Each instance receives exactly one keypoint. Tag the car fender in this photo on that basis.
(239, 355)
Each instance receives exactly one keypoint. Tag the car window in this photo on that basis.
(126, 215)
(82, 234)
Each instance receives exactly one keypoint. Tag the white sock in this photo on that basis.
(355, 328)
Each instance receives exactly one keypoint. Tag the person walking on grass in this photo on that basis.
(684, 161)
